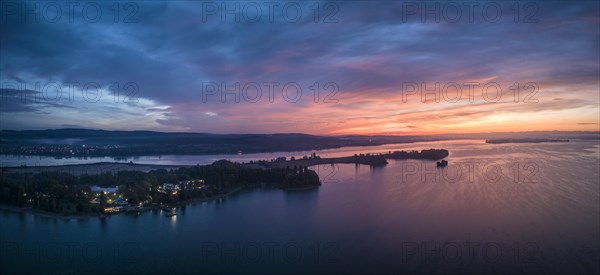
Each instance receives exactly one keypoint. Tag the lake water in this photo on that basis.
(18, 160)
(496, 209)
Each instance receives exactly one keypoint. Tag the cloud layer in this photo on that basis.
(230, 67)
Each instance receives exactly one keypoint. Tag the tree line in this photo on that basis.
(66, 193)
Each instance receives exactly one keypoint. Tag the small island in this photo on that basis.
(441, 164)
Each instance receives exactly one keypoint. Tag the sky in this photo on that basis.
(317, 67)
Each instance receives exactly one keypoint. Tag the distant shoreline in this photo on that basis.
(82, 143)
(102, 167)
(225, 153)
(91, 168)
(174, 166)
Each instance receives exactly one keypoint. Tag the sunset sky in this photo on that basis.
(380, 56)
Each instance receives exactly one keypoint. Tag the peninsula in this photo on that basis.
(104, 188)
(366, 159)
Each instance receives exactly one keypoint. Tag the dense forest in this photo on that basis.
(68, 194)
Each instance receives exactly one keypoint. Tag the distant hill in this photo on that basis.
(85, 142)
(102, 142)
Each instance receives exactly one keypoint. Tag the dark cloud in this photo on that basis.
(15, 101)
(168, 50)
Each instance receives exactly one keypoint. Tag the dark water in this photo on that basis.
(497, 209)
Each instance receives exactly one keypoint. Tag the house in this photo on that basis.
(168, 186)
(120, 201)
(113, 209)
(105, 190)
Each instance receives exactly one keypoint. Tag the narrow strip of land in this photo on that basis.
(366, 159)
(283, 162)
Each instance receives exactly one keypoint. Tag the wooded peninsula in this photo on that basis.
(56, 191)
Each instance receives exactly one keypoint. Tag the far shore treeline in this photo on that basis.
(66, 143)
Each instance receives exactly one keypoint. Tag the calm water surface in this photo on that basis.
(496, 209)
(17, 160)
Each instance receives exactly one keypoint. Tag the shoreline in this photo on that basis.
(92, 168)
(46, 214)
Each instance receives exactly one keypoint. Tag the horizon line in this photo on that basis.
(300, 133)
